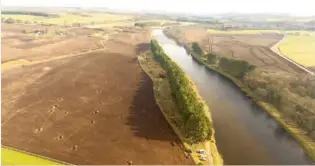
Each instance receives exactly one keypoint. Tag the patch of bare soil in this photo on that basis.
(91, 109)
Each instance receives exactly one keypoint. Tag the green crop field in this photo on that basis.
(14, 157)
(299, 48)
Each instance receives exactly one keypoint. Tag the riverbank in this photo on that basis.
(163, 96)
(296, 132)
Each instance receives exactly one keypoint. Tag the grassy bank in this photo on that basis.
(305, 141)
(10, 156)
(164, 99)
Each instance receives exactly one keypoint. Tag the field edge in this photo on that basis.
(49, 160)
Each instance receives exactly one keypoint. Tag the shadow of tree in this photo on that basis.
(146, 119)
(142, 47)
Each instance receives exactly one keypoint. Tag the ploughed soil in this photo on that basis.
(253, 48)
(96, 108)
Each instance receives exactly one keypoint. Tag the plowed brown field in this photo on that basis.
(96, 108)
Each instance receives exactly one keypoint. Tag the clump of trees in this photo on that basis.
(195, 125)
(291, 96)
(30, 13)
(198, 20)
(237, 68)
(212, 59)
(10, 20)
(146, 24)
(197, 49)
(304, 86)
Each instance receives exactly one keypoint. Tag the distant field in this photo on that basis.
(259, 31)
(12, 157)
(298, 45)
(23, 17)
(111, 24)
(69, 18)
(300, 49)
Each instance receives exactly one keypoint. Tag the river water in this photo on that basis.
(244, 133)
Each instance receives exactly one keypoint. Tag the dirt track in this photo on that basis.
(91, 109)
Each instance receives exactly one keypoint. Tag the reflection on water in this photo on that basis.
(245, 134)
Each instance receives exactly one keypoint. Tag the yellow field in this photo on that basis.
(70, 18)
(13, 157)
(300, 49)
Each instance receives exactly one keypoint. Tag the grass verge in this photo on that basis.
(10, 156)
(306, 142)
(163, 97)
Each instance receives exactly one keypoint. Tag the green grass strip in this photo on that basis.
(10, 156)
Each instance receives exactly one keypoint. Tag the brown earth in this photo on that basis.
(17, 45)
(254, 49)
(96, 108)
(312, 68)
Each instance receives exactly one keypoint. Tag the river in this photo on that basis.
(244, 133)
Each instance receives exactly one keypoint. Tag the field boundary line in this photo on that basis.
(36, 155)
(276, 47)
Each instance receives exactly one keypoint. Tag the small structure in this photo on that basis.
(39, 32)
(201, 151)
(203, 158)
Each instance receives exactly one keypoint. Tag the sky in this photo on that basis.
(293, 7)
